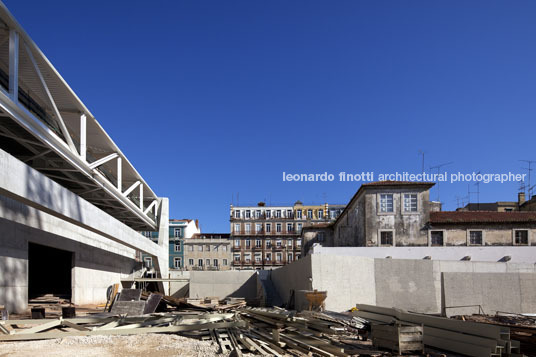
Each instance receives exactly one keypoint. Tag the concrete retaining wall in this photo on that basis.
(222, 284)
(425, 286)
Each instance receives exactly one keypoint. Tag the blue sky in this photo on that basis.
(210, 99)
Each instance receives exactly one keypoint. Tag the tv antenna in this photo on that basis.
(422, 152)
(438, 167)
(529, 169)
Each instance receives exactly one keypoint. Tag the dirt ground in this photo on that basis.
(112, 346)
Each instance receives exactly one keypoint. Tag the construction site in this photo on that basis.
(73, 281)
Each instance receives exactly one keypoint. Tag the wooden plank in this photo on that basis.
(42, 327)
(135, 331)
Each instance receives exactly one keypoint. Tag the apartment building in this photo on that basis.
(264, 237)
(207, 251)
(179, 229)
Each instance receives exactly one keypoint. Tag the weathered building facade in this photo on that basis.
(480, 228)
(207, 251)
(264, 237)
(388, 213)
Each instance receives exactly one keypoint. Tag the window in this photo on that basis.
(299, 214)
(224, 248)
(386, 238)
(177, 247)
(521, 237)
(278, 257)
(290, 227)
(215, 262)
(320, 214)
(321, 236)
(147, 234)
(410, 202)
(475, 237)
(237, 242)
(200, 248)
(436, 238)
(247, 257)
(298, 243)
(386, 202)
(190, 262)
(248, 228)
(236, 258)
(208, 248)
(200, 263)
(289, 213)
(268, 243)
(258, 213)
(268, 256)
(268, 213)
(258, 227)
(148, 262)
(268, 227)
(248, 243)
(258, 243)
(177, 263)
(309, 214)
(289, 243)
(298, 256)
(278, 243)
(300, 225)
(237, 214)
(237, 228)
(215, 248)
(278, 227)
(207, 262)
(289, 257)
(191, 248)
(248, 214)
(177, 232)
(258, 257)
(508, 209)
(224, 262)
(278, 213)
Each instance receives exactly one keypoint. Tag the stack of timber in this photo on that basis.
(465, 337)
(522, 328)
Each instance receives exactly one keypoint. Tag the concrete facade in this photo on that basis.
(35, 209)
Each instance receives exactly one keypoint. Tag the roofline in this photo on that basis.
(379, 184)
(12, 22)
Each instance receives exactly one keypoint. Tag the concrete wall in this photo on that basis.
(179, 289)
(97, 263)
(490, 254)
(294, 276)
(222, 284)
(415, 285)
(507, 292)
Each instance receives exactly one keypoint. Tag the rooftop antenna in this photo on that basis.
(237, 199)
(438, 167)
(477, 184)
(421, 152)
(529, 169)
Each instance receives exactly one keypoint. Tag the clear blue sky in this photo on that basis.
(213, 98)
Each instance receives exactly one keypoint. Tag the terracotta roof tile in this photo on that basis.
(454, 217)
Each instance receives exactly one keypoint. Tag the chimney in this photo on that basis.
(520, 198)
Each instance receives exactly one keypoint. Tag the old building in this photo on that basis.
(386, 213)
(264, 237)
(503, 206)
(481, 228)
(207, 251)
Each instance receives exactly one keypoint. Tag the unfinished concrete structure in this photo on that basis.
(70, 201)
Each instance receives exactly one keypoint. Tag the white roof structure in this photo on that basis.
(44, 124)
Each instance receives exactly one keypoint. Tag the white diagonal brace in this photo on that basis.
(14, 65)
(102, 161)
(131, 188)
(59, 118)
(150, 206)
(141, 197)
(83, 136)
